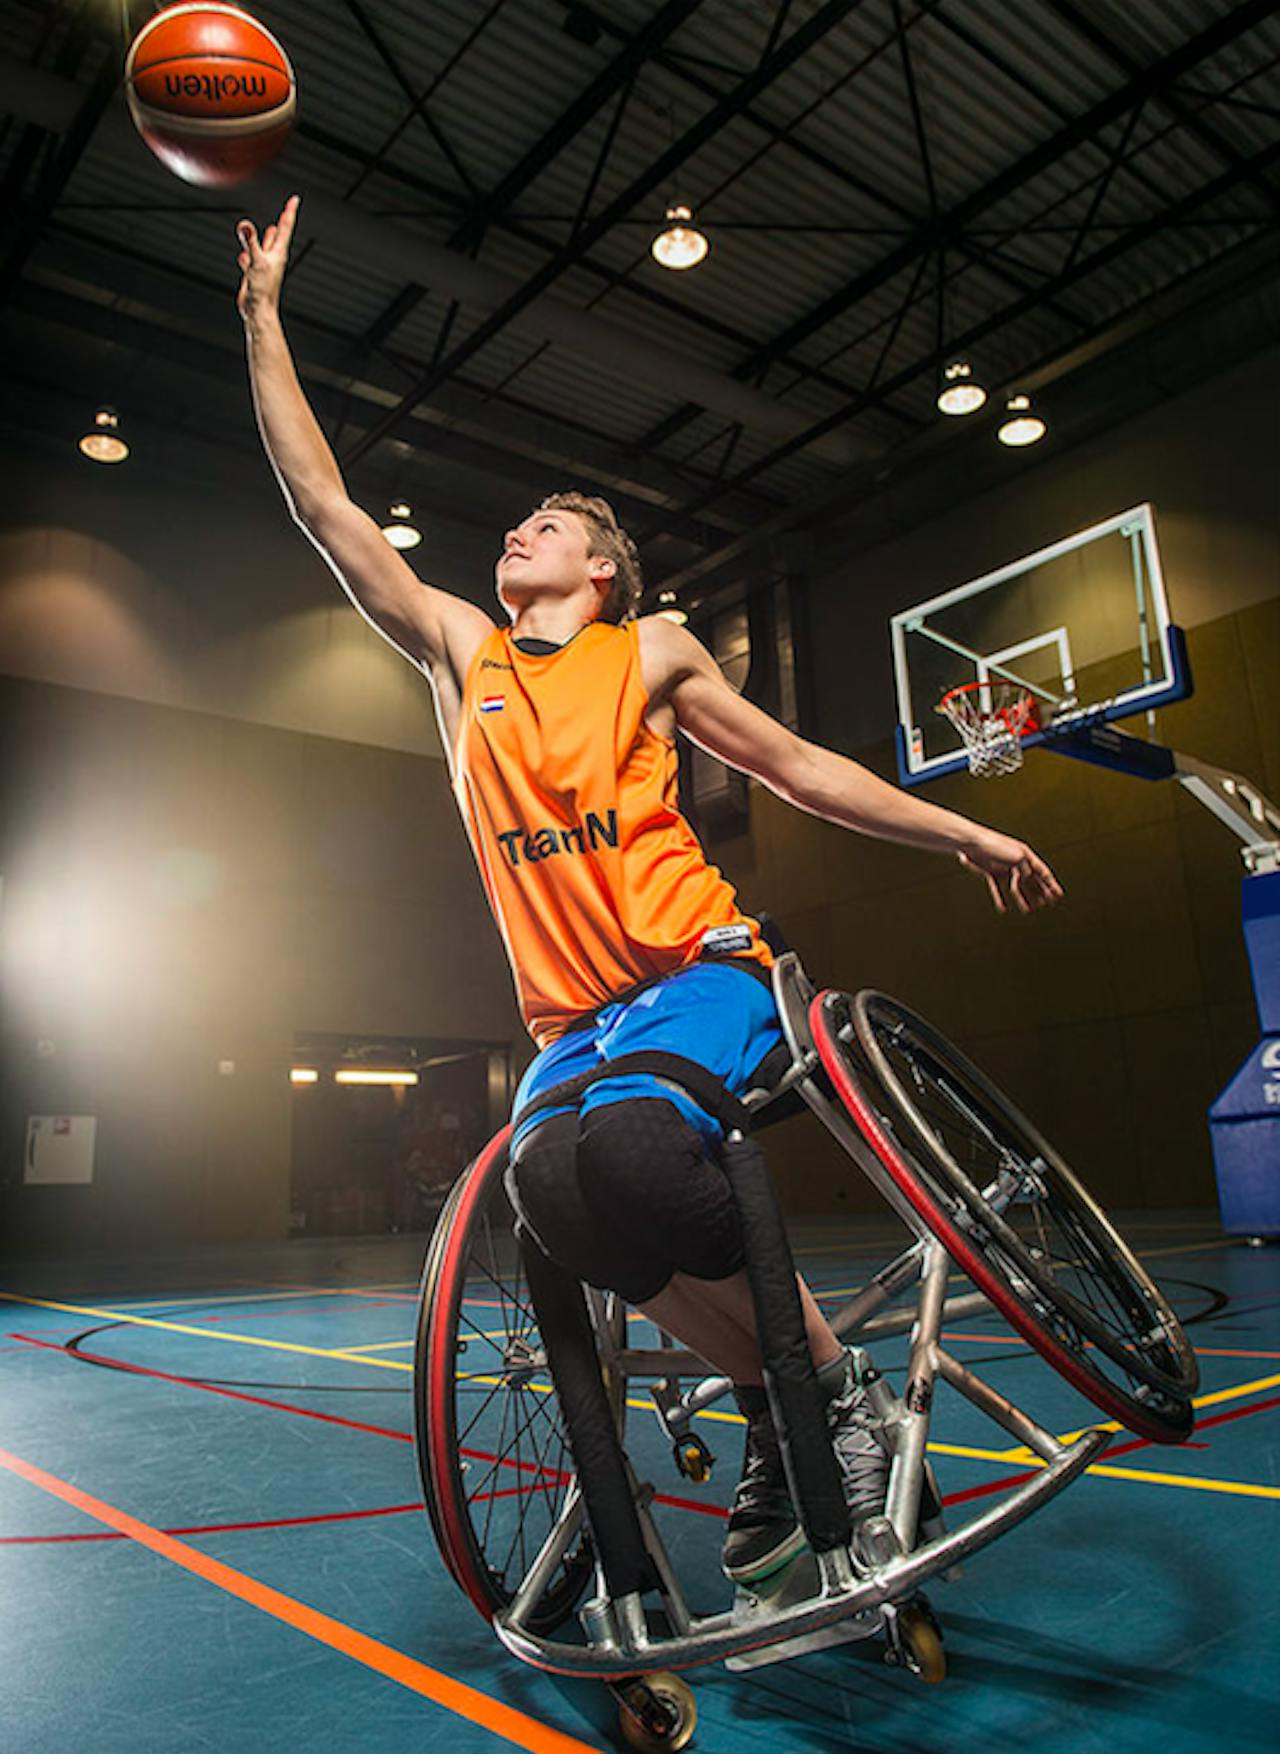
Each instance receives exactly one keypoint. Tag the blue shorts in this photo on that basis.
(714, 1013)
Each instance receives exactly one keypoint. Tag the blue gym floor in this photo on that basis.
(222, 1547)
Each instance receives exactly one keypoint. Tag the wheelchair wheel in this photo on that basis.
(492, 1451)
(1009, 1211)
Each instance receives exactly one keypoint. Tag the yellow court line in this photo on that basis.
(468, 1703)
(1190, 1481)
(1245, 1388)
(1193, 1482)
(1022, 1454)
(255, 1297)
(115, 1315)
(389, 1345)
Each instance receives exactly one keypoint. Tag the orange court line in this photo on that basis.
(466, 1702)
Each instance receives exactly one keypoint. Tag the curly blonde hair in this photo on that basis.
(606, 536)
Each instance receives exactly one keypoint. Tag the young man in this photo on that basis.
(560, 735)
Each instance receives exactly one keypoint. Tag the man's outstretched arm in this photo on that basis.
(429, 626)
(826, 784)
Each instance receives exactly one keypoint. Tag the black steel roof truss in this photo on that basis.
(602, 157)
(417, 103)
(1104, 183)
(948, 228)
(613, 278)
(618, 76)
(1000, 234)
(653, 177)
(943, 345)
(1259, 162)
(60, 162)
(917, 115)
(1196, 124)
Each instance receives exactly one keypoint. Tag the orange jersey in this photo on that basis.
(596, 880)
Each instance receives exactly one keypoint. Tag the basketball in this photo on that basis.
(211, 92)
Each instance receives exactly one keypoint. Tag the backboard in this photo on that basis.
(1083, 624)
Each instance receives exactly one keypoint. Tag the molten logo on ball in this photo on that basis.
(211, 91)
(214, 86)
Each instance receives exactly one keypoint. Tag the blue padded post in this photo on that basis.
(1244, 1121)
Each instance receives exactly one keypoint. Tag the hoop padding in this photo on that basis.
(991, 718)
(897, 1164)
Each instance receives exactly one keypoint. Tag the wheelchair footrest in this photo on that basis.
(795, 1584)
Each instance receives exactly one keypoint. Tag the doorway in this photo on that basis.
(383, 1126)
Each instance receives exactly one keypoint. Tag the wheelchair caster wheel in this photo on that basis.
(657, 1714)
(916, 1643)
(694, 1459)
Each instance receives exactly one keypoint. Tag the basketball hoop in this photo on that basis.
(992, 718)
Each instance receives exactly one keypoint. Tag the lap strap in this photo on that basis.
(709, 1092)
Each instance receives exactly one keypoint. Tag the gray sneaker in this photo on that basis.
(764, 1533)
(863, 1459)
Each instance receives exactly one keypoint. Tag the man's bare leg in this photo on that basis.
(716, 1318)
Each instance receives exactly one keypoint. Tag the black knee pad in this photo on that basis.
(644, 1172)
(542, 1185)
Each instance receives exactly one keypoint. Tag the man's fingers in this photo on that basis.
(997, 894)
(288, 218)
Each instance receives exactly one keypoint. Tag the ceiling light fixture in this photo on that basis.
(670, 609)
(1021, 424)
(960, 392)
(681, 244)
(401, 532)
(372, 1076)
(303, 1075)
(104, 442)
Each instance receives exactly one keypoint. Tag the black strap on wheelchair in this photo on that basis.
(797, 1402)
(795, 1398)
(598, 1459)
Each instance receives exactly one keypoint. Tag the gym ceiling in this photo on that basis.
(1050, 186)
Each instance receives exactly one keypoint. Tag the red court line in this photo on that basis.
(1123, 1449)
(280, 1522)
(274, 1315)
(210, 1388)
(455, 1696)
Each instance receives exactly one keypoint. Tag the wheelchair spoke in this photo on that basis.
(499, 1487)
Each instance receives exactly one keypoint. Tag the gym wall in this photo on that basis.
(224, 819)
(1116, 1018)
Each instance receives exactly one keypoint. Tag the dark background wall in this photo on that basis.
(1116, 1018)
(224, 820)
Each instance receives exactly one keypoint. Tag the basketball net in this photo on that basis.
(992, 718)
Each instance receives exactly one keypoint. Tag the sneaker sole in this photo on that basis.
(774, 1560)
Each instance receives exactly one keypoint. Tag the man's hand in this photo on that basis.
(262, 262)
(1011, 870)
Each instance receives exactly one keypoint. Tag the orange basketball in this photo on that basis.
(211, 91)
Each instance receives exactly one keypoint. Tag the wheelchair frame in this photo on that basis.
(823, 1597)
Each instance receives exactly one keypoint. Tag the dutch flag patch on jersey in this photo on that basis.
(492, 703)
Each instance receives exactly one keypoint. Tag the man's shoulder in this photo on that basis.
(671, 650)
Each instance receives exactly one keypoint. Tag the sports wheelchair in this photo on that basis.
(525, 1379)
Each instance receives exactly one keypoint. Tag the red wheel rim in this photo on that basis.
(452, 1524)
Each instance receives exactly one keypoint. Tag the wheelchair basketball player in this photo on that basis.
(559, 728)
